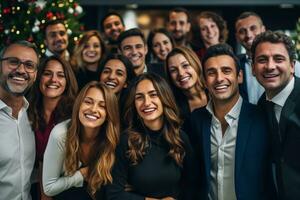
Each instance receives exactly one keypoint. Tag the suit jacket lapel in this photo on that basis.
(243, 134)
(289, 107)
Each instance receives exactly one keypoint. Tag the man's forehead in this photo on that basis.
(111, 19)
(29, 53)
(55, 28)
(178, 15)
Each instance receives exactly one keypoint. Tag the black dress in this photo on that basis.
(85, 76)
(157, 175)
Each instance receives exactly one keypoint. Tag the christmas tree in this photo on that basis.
(298, 38)
(25, 19)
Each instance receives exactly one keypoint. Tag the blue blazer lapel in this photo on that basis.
(243, 134)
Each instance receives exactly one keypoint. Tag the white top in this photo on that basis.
(54, 180)
(17, 153)
(254, 89)
(280, 99)
(223, 154)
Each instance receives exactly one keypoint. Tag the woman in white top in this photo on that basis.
(80, 152)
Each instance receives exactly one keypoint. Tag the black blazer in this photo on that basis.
(286, 151)
(253, 174)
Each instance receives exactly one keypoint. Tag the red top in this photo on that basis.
(41, 138)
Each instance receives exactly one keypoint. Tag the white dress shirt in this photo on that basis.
(254, 89)
(222, 186)
(54, 180)
(280, 99)
(17, 153)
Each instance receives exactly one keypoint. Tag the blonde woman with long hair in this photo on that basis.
(81, 151)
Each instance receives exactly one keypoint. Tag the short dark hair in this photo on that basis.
(218, 50)
(275, 38)
(180, 9)
(130, 33)
(53, 22)
(247, 14)
(220, 22)
(108, 15)
(22, 43)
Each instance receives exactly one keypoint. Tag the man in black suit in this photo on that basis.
(273, 56)
(247, 26)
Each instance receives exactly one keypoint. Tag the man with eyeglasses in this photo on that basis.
(56, 39)
(18, 68)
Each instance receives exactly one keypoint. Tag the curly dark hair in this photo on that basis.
(221, 23)
(275, 38)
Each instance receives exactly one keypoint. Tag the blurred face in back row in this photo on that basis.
(179, 25)
(56, 38)
(113, 27)
(247, 29)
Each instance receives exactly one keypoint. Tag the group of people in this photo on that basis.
(125, 117)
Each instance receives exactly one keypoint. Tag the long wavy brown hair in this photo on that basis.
(103, 154)
(63, 109)
(137, 139)
(77, 61)
(194, 61)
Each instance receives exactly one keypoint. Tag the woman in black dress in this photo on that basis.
(154, 158)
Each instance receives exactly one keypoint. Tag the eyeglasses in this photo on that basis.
(14, 63)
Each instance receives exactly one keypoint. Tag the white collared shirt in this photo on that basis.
(222, 186)
(254, 89)
(280, 99)
(17, 153)
(49, 53)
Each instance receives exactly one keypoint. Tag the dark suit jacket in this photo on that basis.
(253, 174)
(243, 86)
(286, 150)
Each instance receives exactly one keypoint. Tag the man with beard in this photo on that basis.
(56, 39)
(112, 25)
(231, 135)
(247, 26)
(179, 25)
(18, 68)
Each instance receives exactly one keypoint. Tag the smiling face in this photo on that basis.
(91, 52)
(17, 81)
(53, 80)
(113, 27)
(247, 29)
(182, 73)
(161, 45)
(209, 32)
(179, 25)
(56, 38)
(272, 67)
(92, 111)
(135, 50)
(221, 79)
(114, 75)
(148, 105)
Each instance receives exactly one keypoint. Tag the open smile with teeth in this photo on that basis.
(111, 84)
(53, 86)
(91, 54)
(91, 117)
(135, 58)
(221, 88)
(184, 79)
(148, 110)
(270, 75)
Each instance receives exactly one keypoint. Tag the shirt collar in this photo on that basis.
(282, 96)
(25, 105)
(233, 113)
(49, 53)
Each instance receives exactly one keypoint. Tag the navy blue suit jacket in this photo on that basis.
(253, 174)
